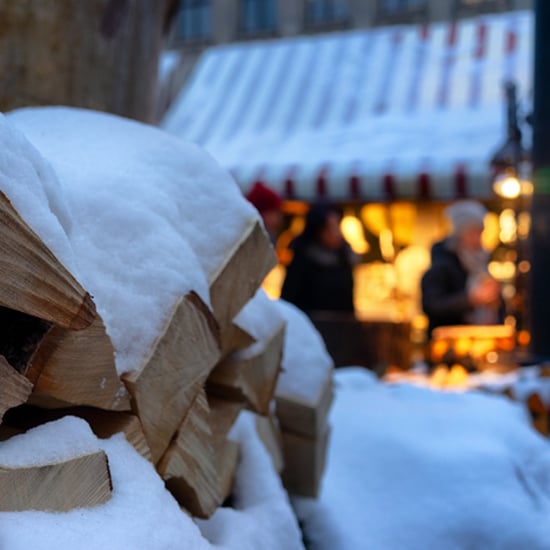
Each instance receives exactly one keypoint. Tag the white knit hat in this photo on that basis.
(465, 213)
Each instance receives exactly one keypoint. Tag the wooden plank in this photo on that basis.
(77, 368)
(305, 416)
(33, 280)
(250, 376)
(238, 278)
(189, 466)
(305, 460)
(80, 482)
(166, 384)
(15, 388)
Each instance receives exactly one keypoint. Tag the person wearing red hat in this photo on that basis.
(268, 203)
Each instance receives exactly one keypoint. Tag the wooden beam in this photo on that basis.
(167, 382)
(33, 280)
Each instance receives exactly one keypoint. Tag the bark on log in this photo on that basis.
(80, 482)
(33, 280)
(165, 386)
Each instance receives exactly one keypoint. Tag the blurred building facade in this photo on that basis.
(201, 23)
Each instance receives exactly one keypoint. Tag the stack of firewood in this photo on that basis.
(57, 359)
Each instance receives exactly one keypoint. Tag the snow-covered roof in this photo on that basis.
(401, 111)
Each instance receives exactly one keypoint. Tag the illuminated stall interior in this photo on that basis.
(393, 241)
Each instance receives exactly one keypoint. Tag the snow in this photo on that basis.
(408, 467)
(142, 200)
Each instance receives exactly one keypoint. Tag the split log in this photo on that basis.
(189, 466)
(305, 412)
(15, 388)
(80, 482)
(270, 434)
(70, 471)
(77, 368)
(165, 386)
(33, 280)
(104, 424)
(305, 460)
(222, 416)
(227, 462)
(234, 338)
(250, 374)
(238, 278)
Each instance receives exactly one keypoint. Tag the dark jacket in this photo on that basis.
(318, 279)
(443, 287)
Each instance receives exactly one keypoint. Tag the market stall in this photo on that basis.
(392, 123)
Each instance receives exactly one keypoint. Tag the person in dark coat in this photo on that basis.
(457, 289)
(320, 275)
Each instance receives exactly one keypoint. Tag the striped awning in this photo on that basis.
(397, 112)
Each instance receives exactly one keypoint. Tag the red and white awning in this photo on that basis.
(397, 112)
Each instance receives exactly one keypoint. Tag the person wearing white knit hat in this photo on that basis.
(457, 289)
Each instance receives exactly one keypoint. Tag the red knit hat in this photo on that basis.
(264, 198)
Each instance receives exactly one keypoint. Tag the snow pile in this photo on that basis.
(153, 217)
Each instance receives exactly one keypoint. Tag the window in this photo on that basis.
(472, 7)
(401, 10)
(258, 17)
(194, 21)
(326, 12)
